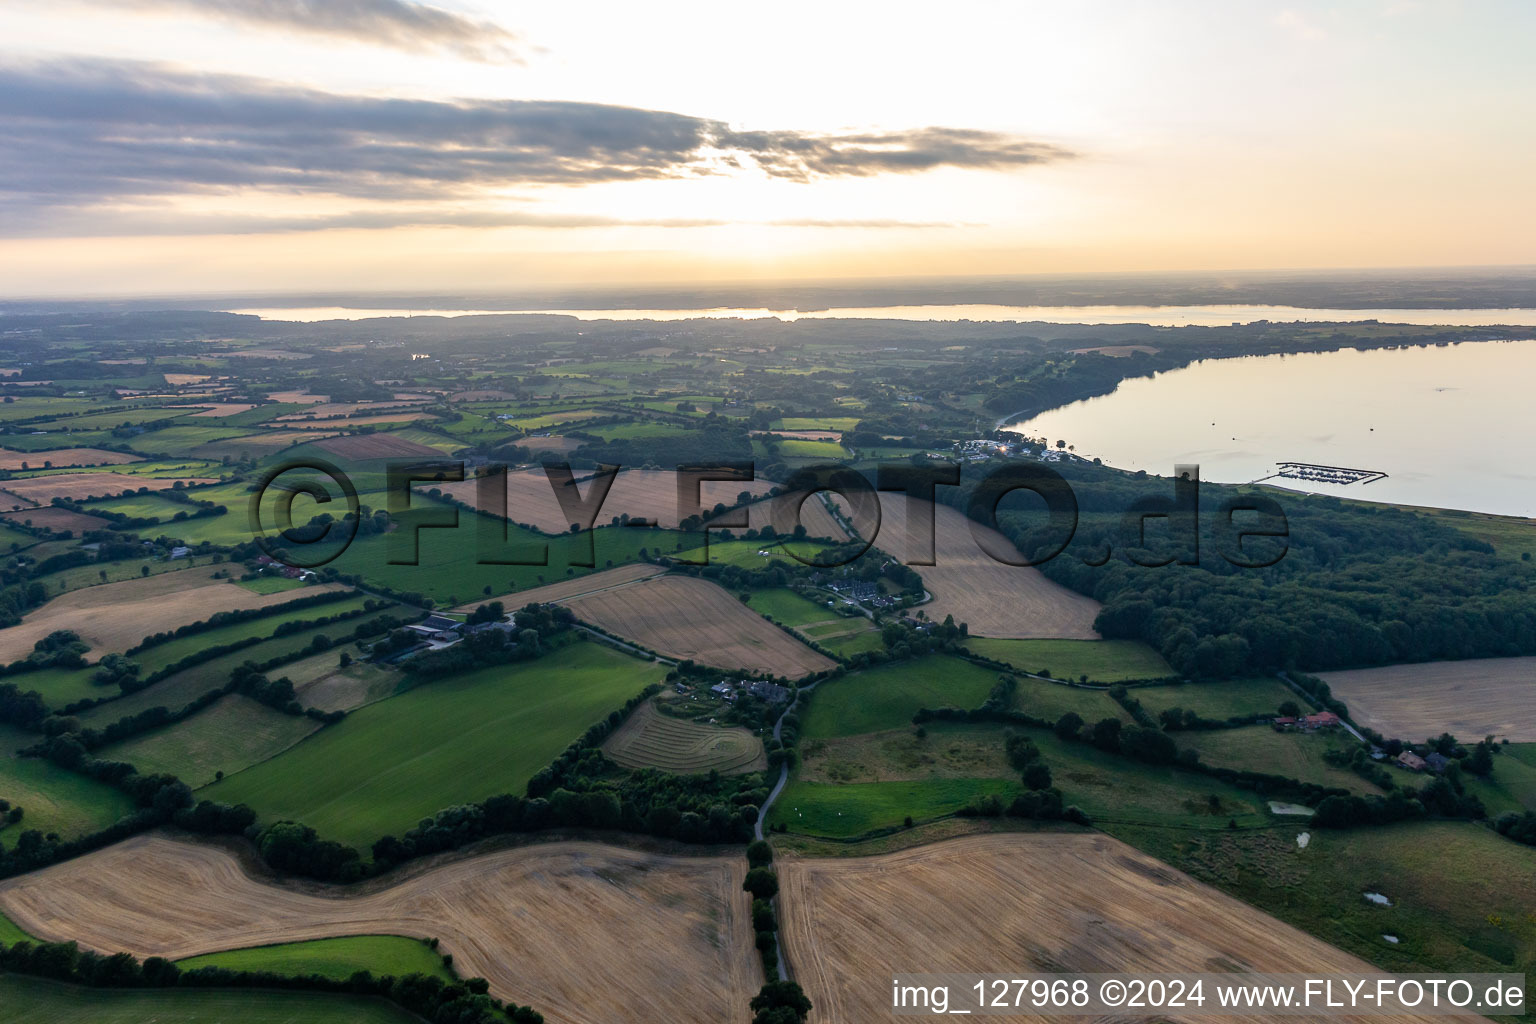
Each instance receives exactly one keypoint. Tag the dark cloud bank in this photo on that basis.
(81, 134)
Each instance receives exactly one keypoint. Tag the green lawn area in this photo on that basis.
(1052, 700)
(1220, 701)
(886, 697)
(233, 733)
(158, 657)
(1295, 755)
(231, 528)
(1102, 661)
(55, 800)
(849, 644)
(337, 958)
(447, 742)
(34, 1001)
(180, 441)
(128, 569)
(842, 811)
(786, 606)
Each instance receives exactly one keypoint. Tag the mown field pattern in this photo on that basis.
(651, 739)
(588, 934)
(1058, 902)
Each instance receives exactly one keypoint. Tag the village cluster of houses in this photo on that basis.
(730, 689)
(268, 564)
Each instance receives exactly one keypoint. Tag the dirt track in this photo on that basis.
(1002, 903)
(585, 933)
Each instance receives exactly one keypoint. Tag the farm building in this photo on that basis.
(1437, 762)
(1413, 762)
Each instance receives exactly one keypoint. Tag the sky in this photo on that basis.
(178, 147)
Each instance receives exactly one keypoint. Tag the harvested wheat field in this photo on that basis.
(1470, 699)
(650, 739)
(557, 443)
(374, 446)
(404, 416)
(116, 616)
(297, 397)
(51, 518)
(685, 617)
(63, 458)
(813, 515)
(1014, 602)
(40, 490)
(1058, 903)
(580, 586)
(219, 409)
(645, 494)
(349, 409)
(585, 933)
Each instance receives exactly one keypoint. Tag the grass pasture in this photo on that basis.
(337, 958)
(1292, 754)
(651, 739)
(35, 1001)
(233, 733)
(55, 800)
(1052, 700)
(1230, 698)
(1102, 661)
(447, 742)
(158, 657)
(886, 697)
(784, 605)
(846, 811)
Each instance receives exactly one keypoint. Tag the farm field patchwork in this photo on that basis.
(116, 616)
(62, 457)
(659, 938)
(1052, 700)
(446, 742)
(40, 490)
(687, 617)
(1470, 699)
(640, 494)
(55, 519)
(1067, 902)
(608, 579)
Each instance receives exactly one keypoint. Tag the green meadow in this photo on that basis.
(886, 697)
(1102, 661)
(845, 811)
(337, 958)
(55, 800)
